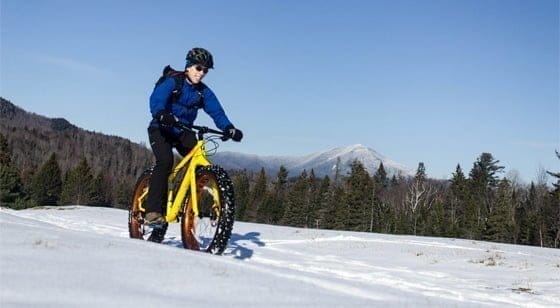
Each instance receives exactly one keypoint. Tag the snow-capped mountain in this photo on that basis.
(322, 163)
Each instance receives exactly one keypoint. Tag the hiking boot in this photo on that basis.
(153, 218)
(158, 232)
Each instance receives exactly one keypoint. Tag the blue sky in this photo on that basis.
(437, 82)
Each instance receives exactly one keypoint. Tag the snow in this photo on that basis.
(322, 163)
(82, 256)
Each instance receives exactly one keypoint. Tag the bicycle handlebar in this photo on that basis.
(201, 130)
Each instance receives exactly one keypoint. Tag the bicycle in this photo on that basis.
(200, 197)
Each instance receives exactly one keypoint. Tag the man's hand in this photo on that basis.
(166, 118)
(234, 133)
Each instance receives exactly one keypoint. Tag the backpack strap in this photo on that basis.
(179, 78)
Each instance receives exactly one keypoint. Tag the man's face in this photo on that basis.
(196, 73)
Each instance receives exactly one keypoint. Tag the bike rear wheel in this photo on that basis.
(210, 230)
(136, 227)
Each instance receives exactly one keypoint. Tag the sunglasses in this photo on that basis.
(201, 68)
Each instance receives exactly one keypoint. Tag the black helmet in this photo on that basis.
(200, 56)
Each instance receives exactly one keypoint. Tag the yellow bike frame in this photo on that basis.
(196, 157)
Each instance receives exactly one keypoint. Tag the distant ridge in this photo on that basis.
(322, 163)
(33, 138)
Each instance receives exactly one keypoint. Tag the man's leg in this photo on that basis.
(157, 194)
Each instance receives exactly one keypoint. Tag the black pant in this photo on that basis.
(162, 144)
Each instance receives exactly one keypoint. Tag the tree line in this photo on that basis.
(49, 185)
(479, 206)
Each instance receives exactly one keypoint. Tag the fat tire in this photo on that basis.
(226, 219)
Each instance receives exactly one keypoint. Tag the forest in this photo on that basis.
(51, 162)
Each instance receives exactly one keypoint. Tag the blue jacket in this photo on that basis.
(185, 108)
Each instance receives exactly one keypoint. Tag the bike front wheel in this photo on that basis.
(211, 229)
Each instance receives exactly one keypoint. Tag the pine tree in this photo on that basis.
(122, 193)
(359, 193)
(258, 194)
(553, 209)
(5, 154)
(297, 203)
(78, 185)
(323, 201)
(46, 185)
(380, 177)
(437, 224)
(394, 180)
(100, 191)
(274, 208)
(483, 181)
(525, 217)
(242, 194)
(462, 217)
(313, 201)
(11, 189)
(499, 227)
(336, 216)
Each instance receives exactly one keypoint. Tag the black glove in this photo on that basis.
(166, 118)
(234, 133)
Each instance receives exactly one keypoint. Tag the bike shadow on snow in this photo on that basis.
(239, 245)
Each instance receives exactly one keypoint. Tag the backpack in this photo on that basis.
(179, 77)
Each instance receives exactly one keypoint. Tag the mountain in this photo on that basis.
(322, 163)
(82, 257)
(33, 138)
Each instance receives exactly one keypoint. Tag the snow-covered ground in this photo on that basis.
(82, 256)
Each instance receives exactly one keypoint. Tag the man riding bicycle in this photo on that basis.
(171, 103)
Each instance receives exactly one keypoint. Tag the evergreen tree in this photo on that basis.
(462, 216)
(436, 222)
(485, 171)
(122, 193)
(394, 180)
(380, 177)
(499, 227)
(336, 216)
(359, 193)
(279, 196)
(258, 194)
(313, 201)
(78, 185)
(525, 217)
(46, 185)
(323, 201)
(100, 191)
(553, 209)
(11, 188)
(297, 203)
(5, 154)
(242, 194)
(483, 181)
